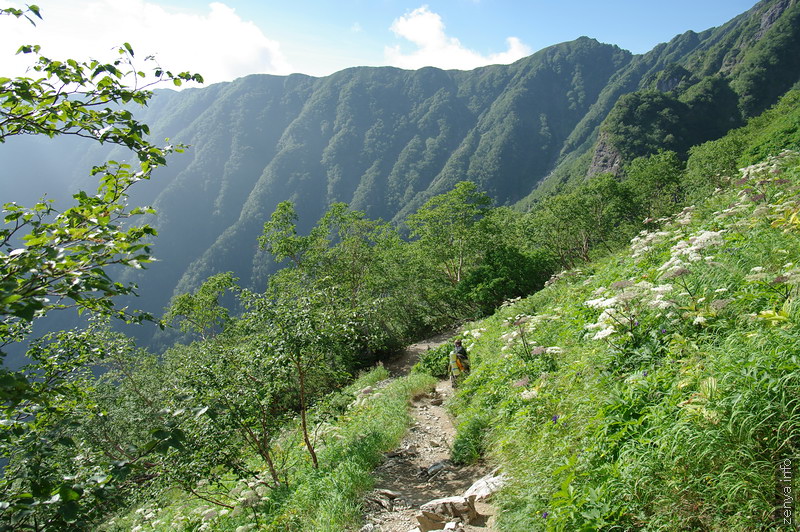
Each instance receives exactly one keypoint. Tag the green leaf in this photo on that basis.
(69, 511)
(67, 493)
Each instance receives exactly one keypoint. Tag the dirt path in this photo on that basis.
(419, 470)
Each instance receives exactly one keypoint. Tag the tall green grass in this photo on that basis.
(659, 388)
(329, 499)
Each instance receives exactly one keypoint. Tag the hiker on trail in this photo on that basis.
(459, 363)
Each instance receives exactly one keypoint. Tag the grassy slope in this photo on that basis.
(658, 388)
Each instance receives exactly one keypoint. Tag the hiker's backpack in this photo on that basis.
(462, 361)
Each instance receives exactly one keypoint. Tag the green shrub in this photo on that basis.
(470, 443)
(505, 273)
(434, 361)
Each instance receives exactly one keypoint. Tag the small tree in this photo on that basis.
(201, 312)
(446, 228)
(346, 251)
(311, 334)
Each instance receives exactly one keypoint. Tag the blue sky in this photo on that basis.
(230, 38)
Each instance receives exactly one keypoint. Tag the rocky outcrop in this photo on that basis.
(771, 15)
(606, 158)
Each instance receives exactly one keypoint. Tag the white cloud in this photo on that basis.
(425, 29)
(216, 42)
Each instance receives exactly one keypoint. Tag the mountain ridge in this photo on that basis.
(384, 140)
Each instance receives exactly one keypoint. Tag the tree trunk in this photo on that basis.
(301, 375)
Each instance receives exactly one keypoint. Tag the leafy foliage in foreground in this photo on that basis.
(658, 387)
(52, 260)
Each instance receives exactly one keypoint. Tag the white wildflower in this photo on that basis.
(604, 333)
(672, 264)
(628, 295)
(662, 288)
(661, 304)
(554, 350)
(699, 320)
(249, 497)
(601, 302)
(529, 394)
(600, 291)
(608, 316)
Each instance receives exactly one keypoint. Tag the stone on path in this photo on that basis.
(458, 507)
(486, 486)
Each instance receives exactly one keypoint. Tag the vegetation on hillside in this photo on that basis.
(53, 259)
(615, 396)
(385, 140)
(656, 388)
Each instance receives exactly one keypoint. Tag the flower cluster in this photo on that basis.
(644, 242)
(475, 333)
(622, 302)
(686, 251)
(510, 302)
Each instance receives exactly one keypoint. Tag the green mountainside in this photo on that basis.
(382, 140)
(385, 140)
(614, 236)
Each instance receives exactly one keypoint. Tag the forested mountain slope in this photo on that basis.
(384, 140)
(381, 139)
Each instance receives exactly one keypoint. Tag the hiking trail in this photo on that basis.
(419, 470)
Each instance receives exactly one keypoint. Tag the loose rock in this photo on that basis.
(460, 507)
(430, 521)
(485, 487)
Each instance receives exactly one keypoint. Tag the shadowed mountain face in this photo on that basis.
(384, 140)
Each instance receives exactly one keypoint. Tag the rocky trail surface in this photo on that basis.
(417, 488)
